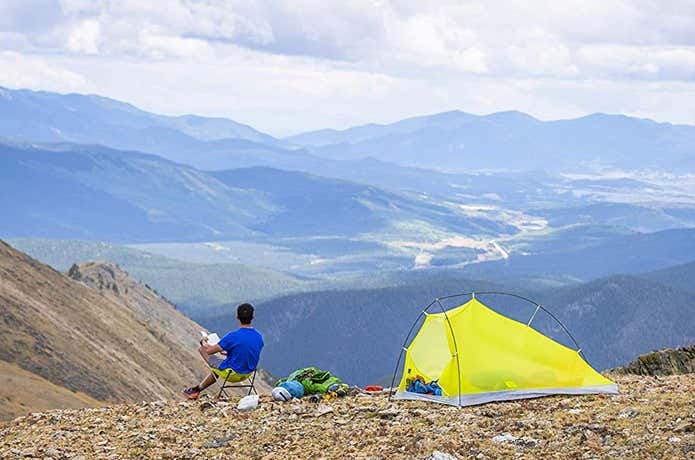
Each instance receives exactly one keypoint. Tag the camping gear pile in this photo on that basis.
(310, 381)
(418, 385)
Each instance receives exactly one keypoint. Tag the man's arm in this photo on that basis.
(207, 350)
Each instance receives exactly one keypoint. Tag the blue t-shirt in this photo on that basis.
(243, 348)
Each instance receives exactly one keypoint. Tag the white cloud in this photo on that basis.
(665, 63)
(301, 64)
(84, 37)
(21, 71)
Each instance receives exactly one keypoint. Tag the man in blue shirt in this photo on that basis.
(241, 348)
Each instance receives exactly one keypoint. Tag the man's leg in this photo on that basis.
(213, 361)
(207, 381)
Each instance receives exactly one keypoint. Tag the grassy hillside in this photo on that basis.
(97, 193)
(93, 192)
(312, 204)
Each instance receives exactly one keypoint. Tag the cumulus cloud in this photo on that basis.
(333, 63)
(538, 37)
(21, 71)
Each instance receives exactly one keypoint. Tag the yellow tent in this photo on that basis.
(478, 356)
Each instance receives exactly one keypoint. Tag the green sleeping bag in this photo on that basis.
(314, 381)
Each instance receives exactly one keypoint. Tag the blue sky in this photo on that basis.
(285, 67)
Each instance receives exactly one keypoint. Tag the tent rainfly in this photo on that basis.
(478, 355)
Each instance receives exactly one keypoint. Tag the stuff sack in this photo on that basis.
(248, 403)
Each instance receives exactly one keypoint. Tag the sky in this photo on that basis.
(291, 66)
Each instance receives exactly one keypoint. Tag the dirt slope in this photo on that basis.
(123, 345)
(651, 418)
(22, 392)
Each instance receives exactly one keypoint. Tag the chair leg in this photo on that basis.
(252, 387)
(224, 384)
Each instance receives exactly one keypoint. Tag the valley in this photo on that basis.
(340, 238)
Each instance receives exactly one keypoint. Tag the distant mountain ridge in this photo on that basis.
(459, 141)
(210, 143)
(453, 141)
(43, 116)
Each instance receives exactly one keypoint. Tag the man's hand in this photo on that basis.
(208, 350)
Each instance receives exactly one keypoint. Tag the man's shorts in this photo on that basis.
(229, 375)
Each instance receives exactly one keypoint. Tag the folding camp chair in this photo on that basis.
(233, 380)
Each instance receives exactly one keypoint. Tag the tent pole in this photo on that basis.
(576, 344)
(533, 315)
(400, 355)
(456, 350)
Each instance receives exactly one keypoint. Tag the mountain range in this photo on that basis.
(459, 141)
(94, 192)
(40, 116)
(454, 141)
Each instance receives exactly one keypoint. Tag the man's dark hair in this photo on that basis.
(245, 313)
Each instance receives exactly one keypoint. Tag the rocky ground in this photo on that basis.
(651, 418)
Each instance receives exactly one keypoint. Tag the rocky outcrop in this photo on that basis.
(664, 362)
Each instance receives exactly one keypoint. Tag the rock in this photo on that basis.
(628, 413)
(217, 443)
(323, 409)
(388, 414)
(527, 442)
(206, 405)
(437, 455)
(504, 438)
(685, 427)
(664, 362)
